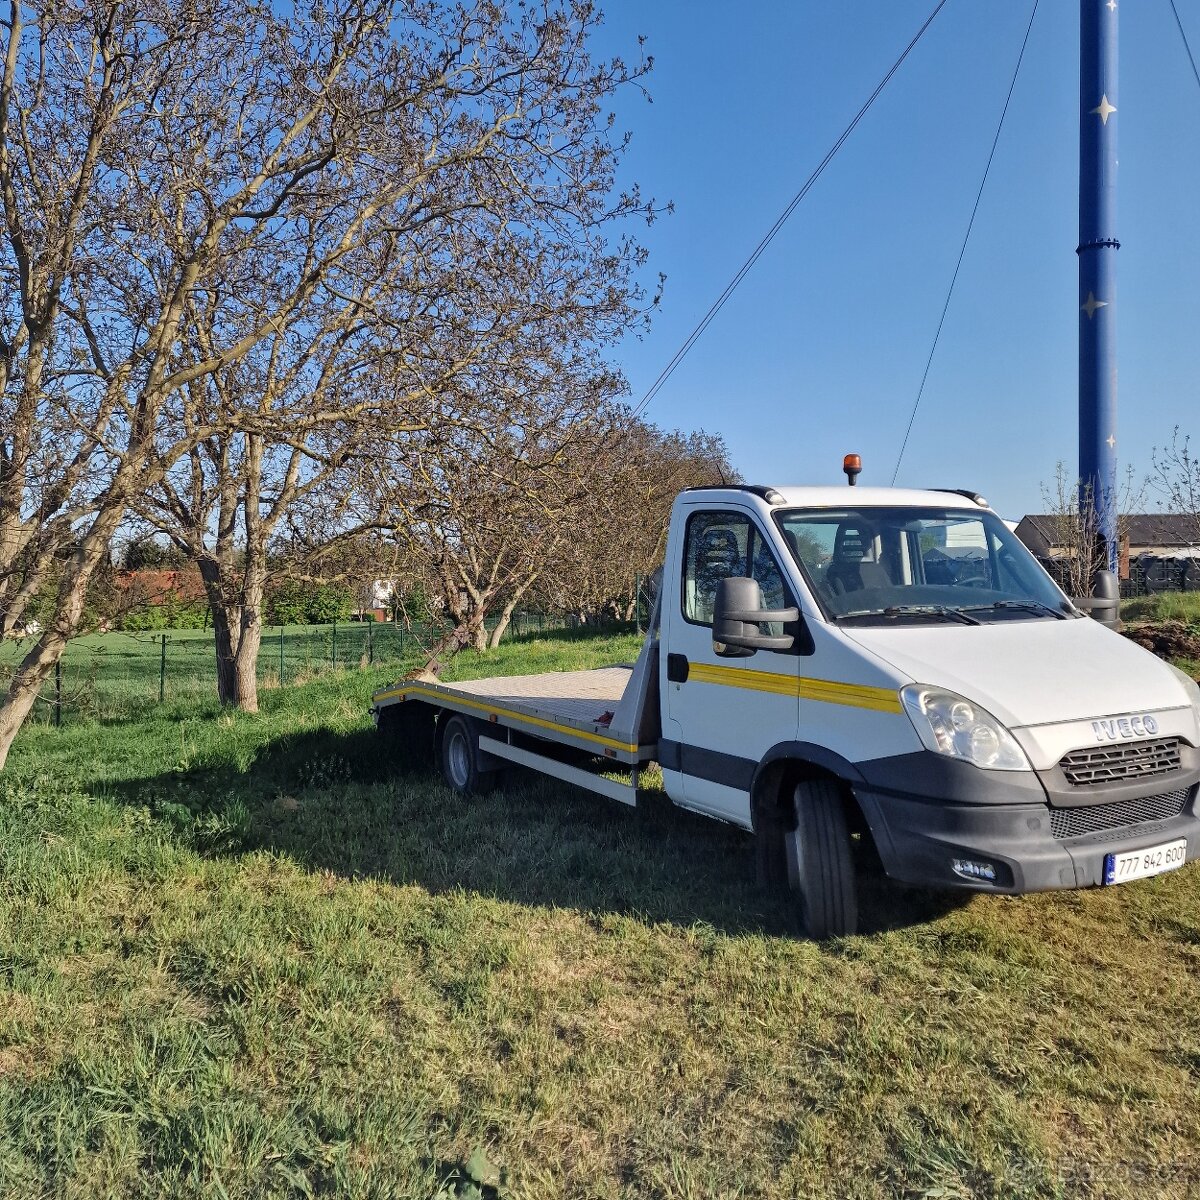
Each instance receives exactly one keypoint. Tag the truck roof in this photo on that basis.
(834, 496)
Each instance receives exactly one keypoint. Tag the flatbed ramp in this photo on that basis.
(577, 698)
(608, 712)
(593, 710)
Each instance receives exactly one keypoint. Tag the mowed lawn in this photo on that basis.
(242, 956)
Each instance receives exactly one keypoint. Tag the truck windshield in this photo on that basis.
(896, 565)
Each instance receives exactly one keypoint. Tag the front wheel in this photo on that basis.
(819, 861)
(460, 759)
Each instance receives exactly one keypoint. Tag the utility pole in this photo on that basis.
(1097, 253)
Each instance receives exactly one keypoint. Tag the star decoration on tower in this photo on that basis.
(1111, 441)
(1104, 110)
(1090, 305)
(1111, 5)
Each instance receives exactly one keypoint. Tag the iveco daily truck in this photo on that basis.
(826, 665)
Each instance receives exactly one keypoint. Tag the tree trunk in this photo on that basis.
(501, 625)
(478, 634)
(237, 636)
(245, 667)
(37, 666)
(23, 690)
(237, 633)
(510, 606)
(15, 609)
(224, 642)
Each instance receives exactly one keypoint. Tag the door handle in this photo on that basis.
(677, 668)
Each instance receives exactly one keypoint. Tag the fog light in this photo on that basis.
(975, 870)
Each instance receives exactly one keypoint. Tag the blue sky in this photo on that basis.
(821, 349)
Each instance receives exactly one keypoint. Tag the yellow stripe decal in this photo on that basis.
(755, 681)
(852, 694)
(417, 689)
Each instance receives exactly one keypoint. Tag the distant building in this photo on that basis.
(1152, 535)
(377, 596)
(154, 587)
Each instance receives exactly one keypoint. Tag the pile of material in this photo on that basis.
(1167, 639)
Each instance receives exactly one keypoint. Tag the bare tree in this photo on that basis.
(194, 192)
(618, 527)
(477, 275)
(1176, 478)
(483, 503)
(1079, 551)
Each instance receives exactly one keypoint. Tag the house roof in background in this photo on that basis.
(1145, 529)
(158, 586)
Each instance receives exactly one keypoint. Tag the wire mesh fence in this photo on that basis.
(117, 676)
(1148, 575)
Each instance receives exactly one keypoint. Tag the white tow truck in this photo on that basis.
(826, 665)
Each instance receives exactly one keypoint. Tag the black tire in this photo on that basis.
(820, 863)
(458, 748)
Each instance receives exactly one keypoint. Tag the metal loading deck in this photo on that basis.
(580, 708)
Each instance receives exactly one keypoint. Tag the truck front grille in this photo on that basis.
(1099, 818)
(1129, 760)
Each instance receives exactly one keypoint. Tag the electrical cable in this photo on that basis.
(963, 249)
(1191, 56)
(745, 268)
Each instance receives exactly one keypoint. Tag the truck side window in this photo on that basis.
(716, 547)
(721, 544)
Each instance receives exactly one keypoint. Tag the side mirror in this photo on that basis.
(737, 614)
(1105, 601)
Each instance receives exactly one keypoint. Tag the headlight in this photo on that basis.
(952, 725)
(1190, 686)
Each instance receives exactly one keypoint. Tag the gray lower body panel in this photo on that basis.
(920, 835)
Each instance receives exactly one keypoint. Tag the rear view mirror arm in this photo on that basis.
(761, 616)
(757, 641)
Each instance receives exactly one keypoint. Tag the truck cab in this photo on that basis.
(829, 666)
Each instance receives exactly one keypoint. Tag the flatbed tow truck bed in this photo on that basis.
(608, 712)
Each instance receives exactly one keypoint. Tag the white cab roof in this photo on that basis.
(838, 497)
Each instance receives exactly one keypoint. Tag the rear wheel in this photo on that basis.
(819, 860)
(461, 756)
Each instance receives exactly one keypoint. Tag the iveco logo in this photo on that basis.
(1116, 728)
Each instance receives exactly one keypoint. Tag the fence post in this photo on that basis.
(58, 694)
(335, 643)
(162, 671)
(281, 656)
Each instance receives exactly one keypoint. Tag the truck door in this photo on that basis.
(723, 714)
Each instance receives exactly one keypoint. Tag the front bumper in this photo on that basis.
(920, 835)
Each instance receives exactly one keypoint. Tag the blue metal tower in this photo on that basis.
(1097, 252)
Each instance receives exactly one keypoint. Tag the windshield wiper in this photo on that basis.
(938, 611)
(1034, 606)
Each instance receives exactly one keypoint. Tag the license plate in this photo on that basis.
(1138, 864)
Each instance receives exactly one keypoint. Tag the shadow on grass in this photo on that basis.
(343, 802)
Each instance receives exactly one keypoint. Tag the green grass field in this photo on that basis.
(241, 956)
(1166, 606)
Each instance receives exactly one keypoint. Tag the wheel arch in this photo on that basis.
(785, 765)
(772, 811)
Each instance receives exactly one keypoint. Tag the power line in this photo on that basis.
(1191, 56)
(963, 249)
(744, 270)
